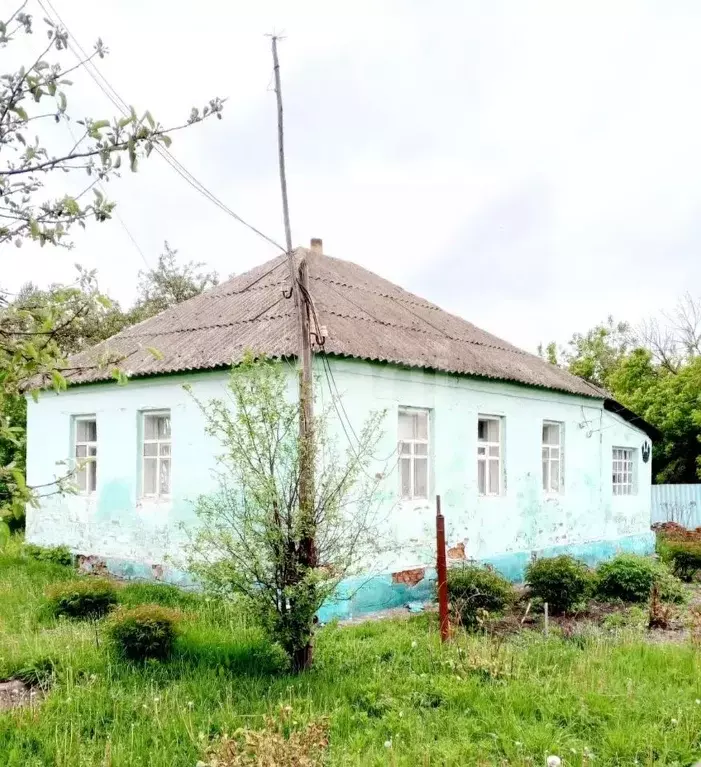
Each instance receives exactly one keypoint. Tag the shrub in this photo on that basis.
(57, 555)
(474, 591)
(281, 741)
(86, 598)
(630, 577)
(143, 632)
(684, 557)
(37, 673)
(561, 581)
(660, 614)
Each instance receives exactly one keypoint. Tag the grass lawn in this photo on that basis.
(391, 693)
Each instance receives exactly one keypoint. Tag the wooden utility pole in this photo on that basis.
(300, 293)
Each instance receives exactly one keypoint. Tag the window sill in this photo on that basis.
(491, 495)
(154, 500)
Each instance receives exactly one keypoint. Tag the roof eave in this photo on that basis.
(635, 420)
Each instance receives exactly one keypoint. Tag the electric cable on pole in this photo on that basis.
(299, 279)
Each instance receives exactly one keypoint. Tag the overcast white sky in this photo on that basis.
(532, 166)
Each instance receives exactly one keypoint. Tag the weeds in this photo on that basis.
(387, 692)
(660, 614)
(281, 743)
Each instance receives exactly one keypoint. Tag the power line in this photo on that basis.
(114, 212)
(336, 398)
(123, 107)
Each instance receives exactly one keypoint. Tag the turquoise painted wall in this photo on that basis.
(144, 535)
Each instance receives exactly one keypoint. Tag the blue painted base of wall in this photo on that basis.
(359, 596)
(362, 595)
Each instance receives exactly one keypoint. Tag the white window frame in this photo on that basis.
(624, 471)
(559, 459)
(412, 456)
(86, 465)
(486, 458)
(158, 457)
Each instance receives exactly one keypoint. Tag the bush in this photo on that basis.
(87, 598)
(474, 591)
(57, 555)
(143, 632)
(561, 581)
(630, 578)
(37, 673)
(684, 557)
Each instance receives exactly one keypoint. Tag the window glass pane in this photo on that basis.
(92, 450)
(482, 477)
(421, 448)
(494, 477)
(81, 451)
(165, 448)
(164, 485)
(150, 469)
(555, 476)
(406, 426)
(481, 450)
(163, 427)
(92, 476)
(420, 478)
(421, 424)
(406, 477)
(150, 448)
(551, 433)
(494, 451)
(85, 430)
(493, 431)
(555, 452)
(545, 474)
(81, 479)
(150, 427)
(482, 430)
(405, 448)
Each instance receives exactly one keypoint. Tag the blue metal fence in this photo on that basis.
(677, 503)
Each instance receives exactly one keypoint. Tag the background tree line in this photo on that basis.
(654, 369)
(81, 316)
(54, 169)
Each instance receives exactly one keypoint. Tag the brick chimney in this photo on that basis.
(317, 246)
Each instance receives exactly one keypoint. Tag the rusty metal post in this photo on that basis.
(442, 568)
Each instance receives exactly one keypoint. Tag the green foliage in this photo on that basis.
(655, 371)
(593, 355)
(254, 540)
(38, 672)
(562, 581)
(630, 578)
(476, 591)
(683, 556)
(59, 555)
(39, 328)
(82, 599)
(169, 284)
(144, 632)
(671, 400)
(435, 702)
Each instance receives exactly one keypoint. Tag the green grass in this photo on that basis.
(471, 703)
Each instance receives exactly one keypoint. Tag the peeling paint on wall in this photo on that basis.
(147, 539)
(409, 577)
(457, 551)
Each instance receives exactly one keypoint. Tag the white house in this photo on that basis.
(528, 459)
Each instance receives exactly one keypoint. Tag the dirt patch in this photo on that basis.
(16, 694)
